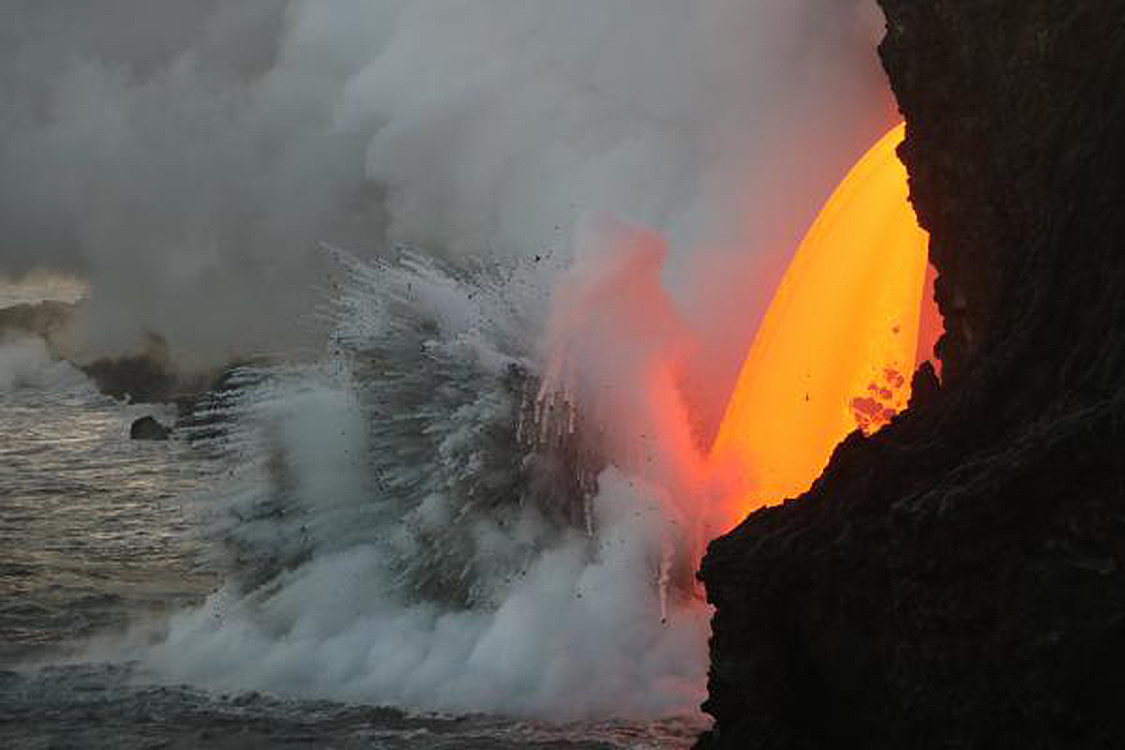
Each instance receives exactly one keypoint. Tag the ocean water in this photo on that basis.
(358, 551)
(93, 526)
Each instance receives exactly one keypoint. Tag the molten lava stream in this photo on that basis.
(836, 347)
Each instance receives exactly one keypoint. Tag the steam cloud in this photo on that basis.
(186, 158)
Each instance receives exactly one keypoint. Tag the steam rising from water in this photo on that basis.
(25, 361)
(186, 158)
(392, 546)
(389, 537)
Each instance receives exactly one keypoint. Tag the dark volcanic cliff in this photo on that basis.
(958, 579)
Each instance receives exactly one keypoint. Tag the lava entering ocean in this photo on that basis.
(837, 345)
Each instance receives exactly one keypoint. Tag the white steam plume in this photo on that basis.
(186, 157)
(489, 128)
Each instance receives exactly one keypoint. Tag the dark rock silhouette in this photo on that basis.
(44, 319)
(146, 377)
(151, 376)
(147, 428)
(957, 580)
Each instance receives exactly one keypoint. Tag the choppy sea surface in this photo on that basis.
(98, 531)
(93, 526)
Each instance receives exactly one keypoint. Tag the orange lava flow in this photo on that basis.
(836, 348)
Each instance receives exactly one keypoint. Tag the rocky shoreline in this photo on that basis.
(145, 377)
(958, 579)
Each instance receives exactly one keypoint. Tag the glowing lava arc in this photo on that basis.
(835, 350)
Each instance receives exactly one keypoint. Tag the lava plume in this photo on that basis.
(837, 345)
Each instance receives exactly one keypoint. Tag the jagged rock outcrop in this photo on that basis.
(958, 579)
(147, 428)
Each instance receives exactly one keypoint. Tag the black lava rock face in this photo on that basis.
(147, 428)
(958, 579)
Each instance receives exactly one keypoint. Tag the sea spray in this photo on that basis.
(387, 541)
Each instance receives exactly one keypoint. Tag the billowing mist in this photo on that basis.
(187, 158)
(486, 207)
